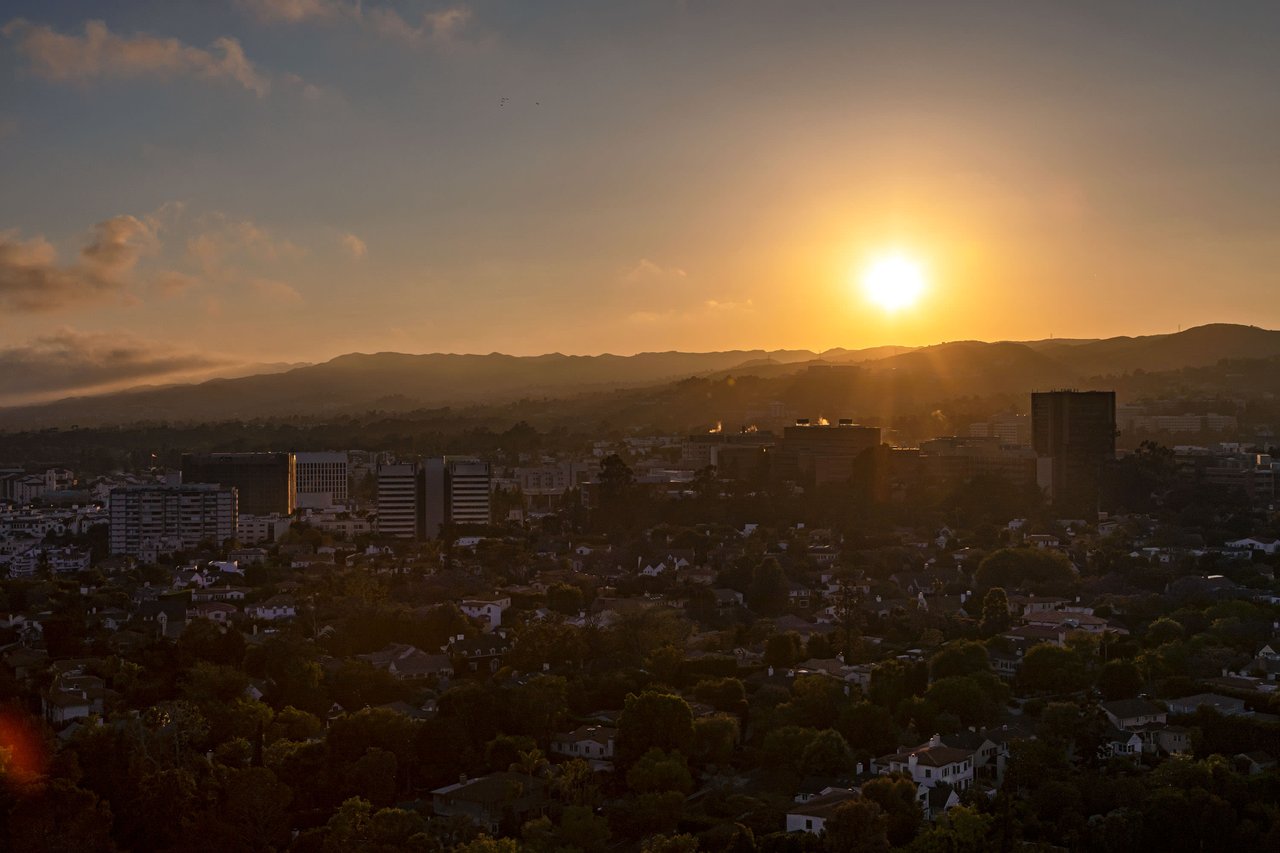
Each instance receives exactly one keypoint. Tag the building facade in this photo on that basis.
(151, 519)
(468, 487)
(399, 498)
(265, 482)
(1074, 436)
(322, 479)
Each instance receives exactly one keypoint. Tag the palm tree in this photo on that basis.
(532, 763)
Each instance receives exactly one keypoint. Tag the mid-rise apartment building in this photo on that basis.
(151, 519)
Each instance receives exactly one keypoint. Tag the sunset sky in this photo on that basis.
(189, 184)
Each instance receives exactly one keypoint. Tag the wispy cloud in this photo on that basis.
(222, 241)
(69, 361)
(439, 25)
(706, 311)
(354, 246)
(275, 291)
(297, 11)
(646, 269)
(64, 57)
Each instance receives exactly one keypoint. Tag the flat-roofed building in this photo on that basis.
(468, 484)
(399, 498)
(265, 482)
(1074, 436)
(322, 479)
(151, 519)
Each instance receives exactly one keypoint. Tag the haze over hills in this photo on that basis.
(357, 382)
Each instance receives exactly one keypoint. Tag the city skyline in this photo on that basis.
(199, 186)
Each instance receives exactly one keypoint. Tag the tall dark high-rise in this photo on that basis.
(1074, 436)
(266, 482)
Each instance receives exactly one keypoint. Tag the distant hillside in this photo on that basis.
(397, 382)
(1199, 346)
(356, 381)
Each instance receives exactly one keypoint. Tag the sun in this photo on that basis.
(894, 282)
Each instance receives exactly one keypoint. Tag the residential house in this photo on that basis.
(409, 663)
(1060, 620)
(215, 611)
(1261, 544)
(1133, 713)
(493, 802)
(812, 814)
(276, 608)
(480, 654)
(73, 694)
(1254, 763)
(1120, 742)
(1226, 705)
(594, 743)
(930, 765)
(1266, 664)
(487, 610)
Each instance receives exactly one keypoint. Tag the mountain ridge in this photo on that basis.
(354, 381)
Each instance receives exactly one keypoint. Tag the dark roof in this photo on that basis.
(494, 789)
(1125, 708)
(931, 756)
(938, 796)
(824, 806)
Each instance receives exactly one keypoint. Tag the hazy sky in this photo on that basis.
(187, 184)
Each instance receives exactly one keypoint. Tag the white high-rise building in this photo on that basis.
(159, 519)
(398, 500)
(322, 479)
(468, 484)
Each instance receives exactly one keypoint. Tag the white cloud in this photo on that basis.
(440, 25)
(99, 52)
(354, 245)
(646, 269)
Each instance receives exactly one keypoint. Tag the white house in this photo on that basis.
(932, 763)
(811, 815)
(1133, 713)
(274, 608)
(488, 610)
(593, 743)
(1265, 544)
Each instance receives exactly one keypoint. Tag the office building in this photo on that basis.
(416, 499)
(265, 482)
(1074, 437)
(953, 460)
(161, 519)
(467, 487)
(322, 479)
(700, 450)
(821, 452)
(399, 499)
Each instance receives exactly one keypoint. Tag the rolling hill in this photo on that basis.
(396, 381)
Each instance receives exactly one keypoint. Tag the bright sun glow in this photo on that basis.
(893, 282)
